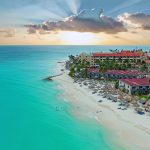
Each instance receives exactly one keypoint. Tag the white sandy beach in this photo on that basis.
(128, 128)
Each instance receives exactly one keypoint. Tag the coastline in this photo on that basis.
(131, 130)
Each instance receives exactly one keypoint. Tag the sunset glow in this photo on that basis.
(75, 37)
(75, 22)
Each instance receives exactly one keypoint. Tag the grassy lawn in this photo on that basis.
(144, 97)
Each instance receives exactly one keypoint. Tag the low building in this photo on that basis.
(93, 73)
(113, 74)
(121, 74)
(135, 86)
(148, 65)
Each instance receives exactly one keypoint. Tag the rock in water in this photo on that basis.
(48, 79)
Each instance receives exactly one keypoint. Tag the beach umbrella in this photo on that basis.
(142, 101)
(132, 98)
(120, 97)
(127, 105)
(128, 98)
(104, 95)
(147, 109)
(134, 102)
(148, 102)
(139, 111)
(136, 105)
(136, 98)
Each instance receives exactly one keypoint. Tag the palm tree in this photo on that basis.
(71, 57)
(143, 67)
(97, 61)
(72, 71)
(87, 64)
(120, 59)
(138, 61)
(128, 65)
(107, 58)
(103, 68)
(123, 67)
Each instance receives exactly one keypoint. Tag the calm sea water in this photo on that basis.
(28, 116)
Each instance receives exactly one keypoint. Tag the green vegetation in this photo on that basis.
(143, 67)
(72, 71)
(113, 65)
(71, 58)
(146, 97)
(123, 90)
(117, 84)
(78, 67)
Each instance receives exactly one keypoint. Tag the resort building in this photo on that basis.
(117, 56)
(148, 65)
(113, 74)
(135, 86)
(86, 57)
(122, 56)
(121, 74)
(93, 73)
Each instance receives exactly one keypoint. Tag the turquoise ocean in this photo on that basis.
(28, 116)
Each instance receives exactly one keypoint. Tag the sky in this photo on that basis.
(75, 22)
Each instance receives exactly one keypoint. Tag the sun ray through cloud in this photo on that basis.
(45, 19)
(124, 5)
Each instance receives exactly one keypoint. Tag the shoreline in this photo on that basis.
(132, 130)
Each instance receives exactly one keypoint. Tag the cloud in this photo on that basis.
(31, 30)
(7, 33)
(136, 20)
(80, 24)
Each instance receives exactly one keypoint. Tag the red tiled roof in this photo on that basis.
(122, 72)
(136, 81)
(93, 70)
(125, 53)
(147, 61)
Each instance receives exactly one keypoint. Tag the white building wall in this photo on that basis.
(125, 86)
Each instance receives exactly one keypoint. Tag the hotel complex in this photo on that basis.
(113, 74)
(135, 86)
(119, 56)
(131, 81)
(133, 56)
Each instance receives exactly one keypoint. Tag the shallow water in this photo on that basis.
(29, 119)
